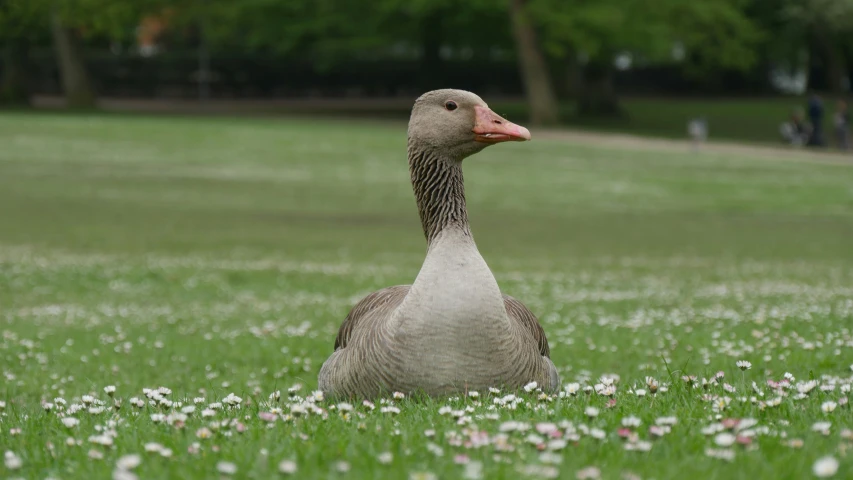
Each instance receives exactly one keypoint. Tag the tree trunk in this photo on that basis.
(72, 70)
(598, 93)
(537, 82)
(827, 55)
(14, 86)
(835, 69)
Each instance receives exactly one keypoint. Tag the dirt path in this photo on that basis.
(634, 142)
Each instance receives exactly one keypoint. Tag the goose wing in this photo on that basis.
(380, 302)
(521, 314)
(387, 299)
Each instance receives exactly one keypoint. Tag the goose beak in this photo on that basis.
(489, 127)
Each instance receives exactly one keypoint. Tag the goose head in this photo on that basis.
(458, 124)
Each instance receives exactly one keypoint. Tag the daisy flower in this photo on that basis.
(724, 439)
(287, 467)
(70, 422)
(631, 422)
(825, 467)
(743, 365)
(128, 462)
(12, 461)
(226, 468)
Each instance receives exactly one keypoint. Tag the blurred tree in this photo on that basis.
(73, 20)
(78, 89)
(541, 98)
(592, 39)
(19, 27)
(604, 35)
(826, 28)
(68, 22)
(329, 32)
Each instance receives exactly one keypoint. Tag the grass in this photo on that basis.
(218, 256)
(753, 120)
(746, 120)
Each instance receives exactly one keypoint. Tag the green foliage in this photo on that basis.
(823, 28)
(21, 19)
(713, 34)
(326, 30)
(276, 25)
(833, 15)
(100, 18)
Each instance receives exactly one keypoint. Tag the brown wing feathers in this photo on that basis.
(520, 313)
(378, 299)
(392, 296)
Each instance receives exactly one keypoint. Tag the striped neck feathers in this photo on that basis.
(439, 191)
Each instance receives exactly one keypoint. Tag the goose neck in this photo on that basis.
(439, 192)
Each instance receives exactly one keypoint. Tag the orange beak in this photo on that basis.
(489, 127)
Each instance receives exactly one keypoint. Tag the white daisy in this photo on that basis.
(70, 422)
(128, 462)
(724, 439)
(287, 467)
(226, 468)
(12, 461)
(632, 422)
(825, 467)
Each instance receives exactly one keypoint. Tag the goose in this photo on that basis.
(452, 331)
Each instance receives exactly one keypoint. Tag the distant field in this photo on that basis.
(743, 119)
(729, 119)
(219, 256)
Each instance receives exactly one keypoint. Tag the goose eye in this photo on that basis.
(451, 106)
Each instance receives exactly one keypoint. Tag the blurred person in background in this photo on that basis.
(815, 108)
(842, 126)
(795, 131)
(697, 129)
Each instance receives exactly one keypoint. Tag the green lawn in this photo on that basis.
(219, 256)
(748, 120)
(754, 120)
(740, 119)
